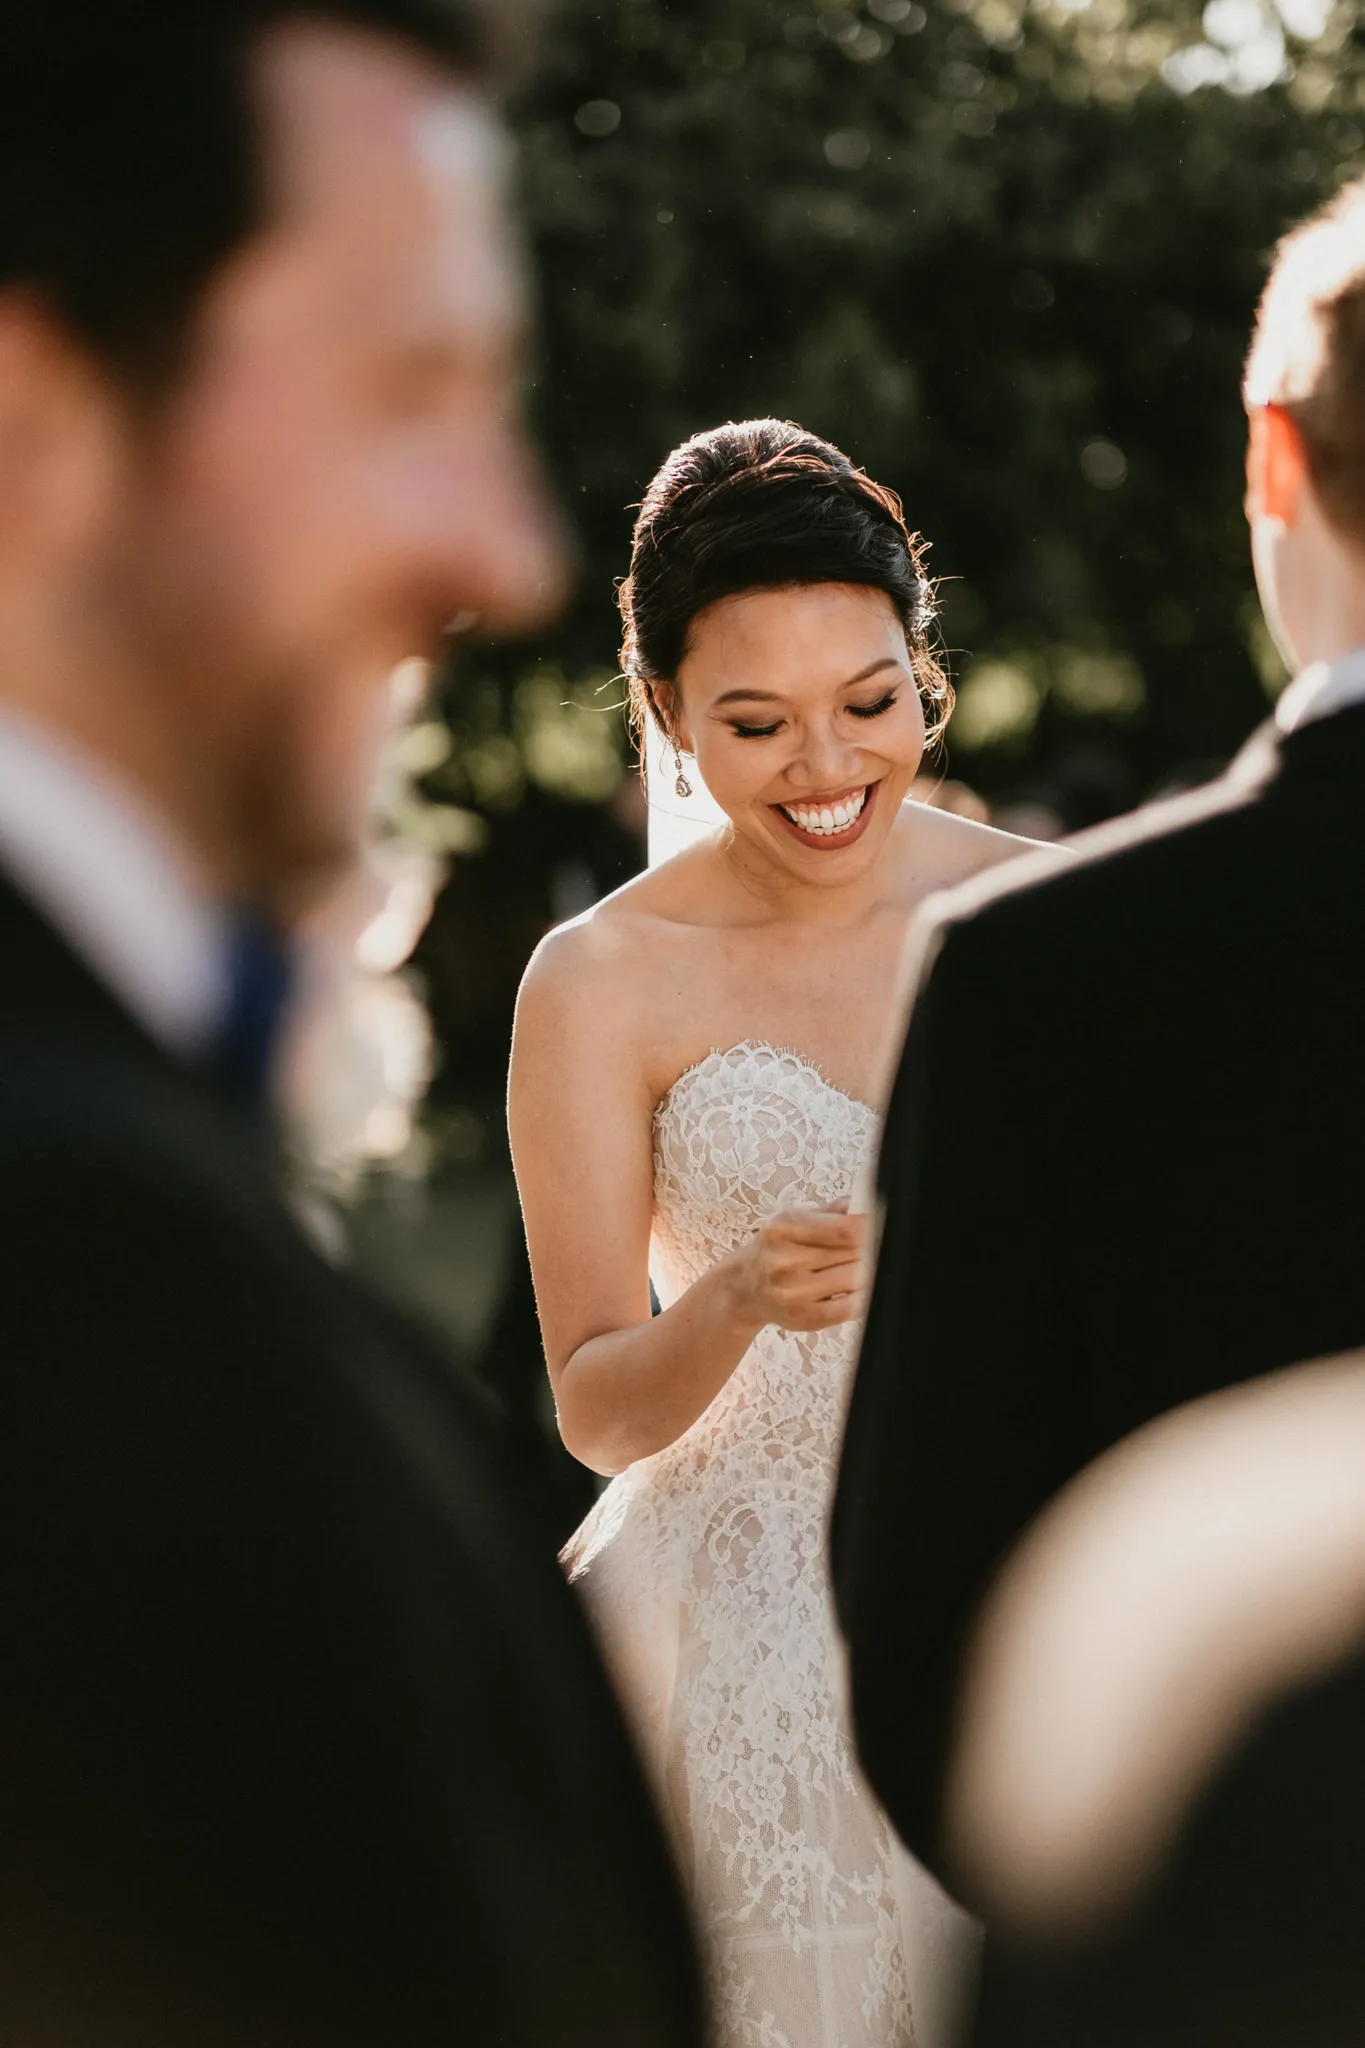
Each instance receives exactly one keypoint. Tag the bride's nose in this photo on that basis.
(827, 759)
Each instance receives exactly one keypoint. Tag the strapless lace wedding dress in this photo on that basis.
(705, 1571)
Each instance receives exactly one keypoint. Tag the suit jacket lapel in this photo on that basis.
(43, 976)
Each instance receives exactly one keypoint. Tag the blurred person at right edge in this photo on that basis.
(302, 1737)
(1124, 1168)
(1158, 1798)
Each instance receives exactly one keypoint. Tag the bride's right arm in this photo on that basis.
(580, 1113)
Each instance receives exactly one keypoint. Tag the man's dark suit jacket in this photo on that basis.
(1124, 1165)
(302, 1737)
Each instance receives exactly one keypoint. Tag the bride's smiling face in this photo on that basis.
(802, 709)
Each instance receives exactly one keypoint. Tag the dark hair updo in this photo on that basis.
(763, 505)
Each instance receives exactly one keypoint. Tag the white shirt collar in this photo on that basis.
(111, 879)
(1326, 687)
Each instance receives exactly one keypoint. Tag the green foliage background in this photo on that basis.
(989, 248)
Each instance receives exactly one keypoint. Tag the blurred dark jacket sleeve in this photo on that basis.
(956, 1431)
(301, 1740)
(206, 1670)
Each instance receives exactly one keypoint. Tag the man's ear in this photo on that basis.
(1277, 467)
(61, 434)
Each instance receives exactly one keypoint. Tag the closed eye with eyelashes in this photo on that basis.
(765, 732)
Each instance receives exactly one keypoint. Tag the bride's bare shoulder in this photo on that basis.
(939, 849)
(610, 952)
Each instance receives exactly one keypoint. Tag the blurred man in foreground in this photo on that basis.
(301, 1737)
(1125, 1159)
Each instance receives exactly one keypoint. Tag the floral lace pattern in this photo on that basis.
(705, 1570)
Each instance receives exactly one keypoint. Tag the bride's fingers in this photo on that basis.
(835, 1276)
(804, 1290)
(794, 1264)
(830, 1282)
(837, 1262)
(839, 1308)
(817, 1226)
(822, 1266)
(825, 1315)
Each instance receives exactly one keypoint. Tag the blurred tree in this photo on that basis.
(991, 249)
(1006, 253)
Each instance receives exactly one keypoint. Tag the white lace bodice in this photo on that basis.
(705, 1566)
(739, 1136)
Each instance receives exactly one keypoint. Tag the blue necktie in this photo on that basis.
(260, 979)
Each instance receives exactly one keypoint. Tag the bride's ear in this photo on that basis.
(667, 700)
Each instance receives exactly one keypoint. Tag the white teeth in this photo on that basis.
(827, 819)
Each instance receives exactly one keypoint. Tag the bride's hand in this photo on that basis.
(806, 1269)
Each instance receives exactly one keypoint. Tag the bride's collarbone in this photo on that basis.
(824, 994)
(812, 974)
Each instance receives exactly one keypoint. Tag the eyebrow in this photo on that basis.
(745, 696)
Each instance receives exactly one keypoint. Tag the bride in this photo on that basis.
(692, 1083)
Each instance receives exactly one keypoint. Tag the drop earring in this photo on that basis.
(682, 786)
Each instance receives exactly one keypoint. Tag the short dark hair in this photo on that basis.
(763, 505)
(129, 150)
